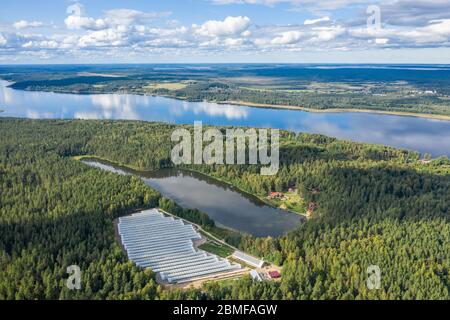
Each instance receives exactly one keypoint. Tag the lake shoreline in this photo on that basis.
(387, 130)
(232, 186)
(260, 105)
(262, 199)
(337, 110)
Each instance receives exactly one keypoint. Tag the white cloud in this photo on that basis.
(108, 37)
(3, 40)
(44, 44)
(233, 42)
(328, 4)
(128, 16)
(23, 24)
(79, 22)
(440, 27)
(131, 33)
(381, 40)
(167, 32)
(327, 33)
(213, 109)
(314, 21)
(436, 32)
(112, 18)
(228, 27)
(415, 13)
(288, 37)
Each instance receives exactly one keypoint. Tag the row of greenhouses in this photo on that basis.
(165, 244)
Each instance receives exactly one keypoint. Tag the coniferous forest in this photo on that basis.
(376, 205)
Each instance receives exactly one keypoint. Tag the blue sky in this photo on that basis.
(108, 31)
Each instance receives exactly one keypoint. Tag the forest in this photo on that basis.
(302, 86)
(376, 205)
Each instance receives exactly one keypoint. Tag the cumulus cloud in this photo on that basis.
(112, 18)
(127, 32)
(234, 42)
(128, 16)
(329, 4)
(288, 37)
(80, 22)
(42, 44)
(23, 24)
(229, 26)
(77, 20)
(327, 33)
(3, 40)
(436, 32)
(101, 38)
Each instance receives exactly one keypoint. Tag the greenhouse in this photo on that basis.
(166, 245)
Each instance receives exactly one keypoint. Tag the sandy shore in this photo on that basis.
(339, 110)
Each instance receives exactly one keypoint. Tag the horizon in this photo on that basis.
(228, 63)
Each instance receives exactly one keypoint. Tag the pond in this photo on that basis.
(224, 204)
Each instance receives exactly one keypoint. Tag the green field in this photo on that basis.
(292, 202)
(166, 85)
(217, 248)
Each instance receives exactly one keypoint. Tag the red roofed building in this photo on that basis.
(274, 274)
(277, 195)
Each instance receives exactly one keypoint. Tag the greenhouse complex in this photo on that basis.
(166, 245)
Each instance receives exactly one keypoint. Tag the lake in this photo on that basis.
(223, 203)
(424, 135)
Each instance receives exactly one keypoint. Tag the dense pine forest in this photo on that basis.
(375, 206)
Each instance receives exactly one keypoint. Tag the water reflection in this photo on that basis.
(231, 112)
(221, 202)
(424, 135)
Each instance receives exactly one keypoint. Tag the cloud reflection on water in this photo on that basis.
(425, 135)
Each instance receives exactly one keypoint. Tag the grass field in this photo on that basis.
(293, 202)
(217, 249)
(166, 85)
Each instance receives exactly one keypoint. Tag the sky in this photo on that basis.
(225, 31)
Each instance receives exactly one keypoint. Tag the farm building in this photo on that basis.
(277, 195)
(255, 275)
(248, 259)
(165, 245)
(274, 274)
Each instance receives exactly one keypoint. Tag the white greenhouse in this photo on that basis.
(165, 245)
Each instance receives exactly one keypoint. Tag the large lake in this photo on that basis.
(225, 205)
(424, 135)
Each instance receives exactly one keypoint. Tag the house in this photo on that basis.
(311, 207)
(277, 195)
